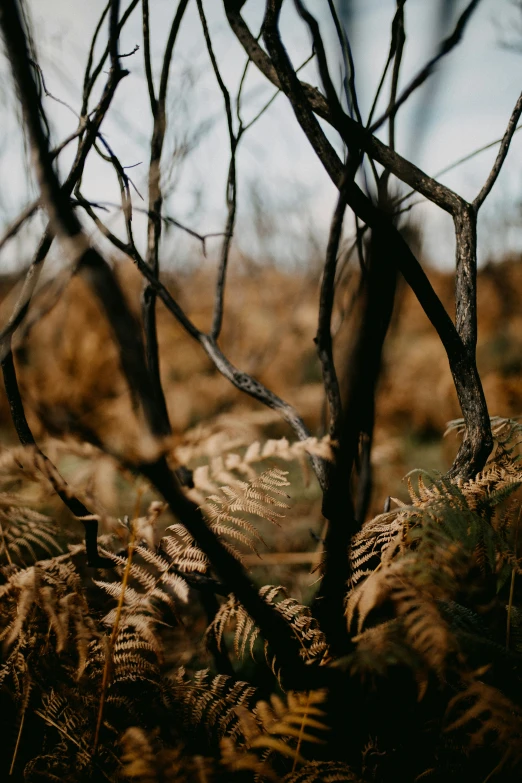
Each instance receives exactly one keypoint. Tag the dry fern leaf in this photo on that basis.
(282, 727)
(241, 760)
(372, 541)
(51, 589)
(70, 723)
(412, 580)
(134, 657)
(218, 447)
(224, 469)
(149, 588)
(323, 772)
(299, 617)
(223, 433)
(435, 541)
(211, 702)
(426, 631)
(25, 534)
(225, 511)
(380, 648)
(145, 760)
(487, 713)
(424, 628)
(507, 434)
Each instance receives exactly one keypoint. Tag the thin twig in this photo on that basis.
(348, 61)
(391, 55)
(231, 189)
(146, 57)
(28, 211)
(397, 60)
(272, 99)
(159, 113)
(23, 709)
(88, 82)
(454, 165)
(446, 46)
(501, 156)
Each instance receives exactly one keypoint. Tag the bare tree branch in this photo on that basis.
(446, 46)
(399, 14)
(231, 189)
(477, 442)
(501, 156)
(348, 62)
(91, 78)
(323, 337)
(159, 114)
(146, 56)
(241, 380)
(352, 133)
(304, 102)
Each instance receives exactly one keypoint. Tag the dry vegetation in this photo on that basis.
(72, 382)
(246, 602)
(119, 677)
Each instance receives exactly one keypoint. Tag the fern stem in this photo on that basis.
(25, 702)
(115, 628)
(301, 732)
(512, 585)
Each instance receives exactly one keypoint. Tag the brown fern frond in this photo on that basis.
(225, 511)
(59, 714)
(254, 497)
(378, 649)
(489, 715)
(426, 631)
(50, 590)
(145, 760)
(25, 533)
(299, 617)
(225, 463)
(282, 728)
(323, 772)
(211, 702)
(240, 760)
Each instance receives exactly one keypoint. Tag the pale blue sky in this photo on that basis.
(478, 86)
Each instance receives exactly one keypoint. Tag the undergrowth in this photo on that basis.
(151, 671)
